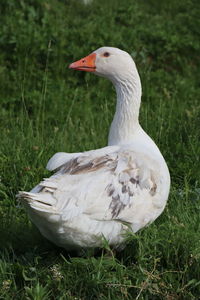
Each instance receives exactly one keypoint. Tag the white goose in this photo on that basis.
(104, 192)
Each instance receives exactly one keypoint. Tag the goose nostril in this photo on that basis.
(83, 60)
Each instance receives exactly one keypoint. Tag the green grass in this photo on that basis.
(46, 108)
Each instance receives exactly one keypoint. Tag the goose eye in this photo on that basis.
(106, 54)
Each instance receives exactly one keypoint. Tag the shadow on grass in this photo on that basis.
(23, 239)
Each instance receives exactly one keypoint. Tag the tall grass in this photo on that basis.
(46, 108)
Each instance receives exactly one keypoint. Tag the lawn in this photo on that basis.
(47, 108)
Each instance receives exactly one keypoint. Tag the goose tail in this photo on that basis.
(41, 202)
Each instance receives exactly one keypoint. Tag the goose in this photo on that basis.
(102, 194)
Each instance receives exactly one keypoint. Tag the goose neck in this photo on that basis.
(125, 121)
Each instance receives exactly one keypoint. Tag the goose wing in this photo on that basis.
(105, 184)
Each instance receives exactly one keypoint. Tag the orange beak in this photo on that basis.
(85, 64)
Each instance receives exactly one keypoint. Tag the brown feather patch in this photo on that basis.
(153, 189)
(77, 165)
(116, 206)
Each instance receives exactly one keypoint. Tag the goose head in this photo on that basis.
(112, 63)
(119, 67)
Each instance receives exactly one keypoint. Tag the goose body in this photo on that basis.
(104, 192)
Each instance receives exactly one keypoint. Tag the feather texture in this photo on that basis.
(104, 192)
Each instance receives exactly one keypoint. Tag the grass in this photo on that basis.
(46, 108)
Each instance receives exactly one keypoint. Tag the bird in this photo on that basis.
(105, 193)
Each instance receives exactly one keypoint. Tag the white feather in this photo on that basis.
(108, 191)
(59, 159)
